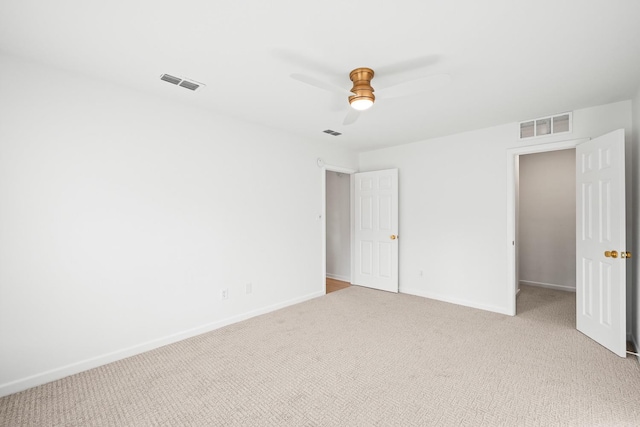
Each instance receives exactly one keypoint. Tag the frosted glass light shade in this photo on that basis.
(361, 104)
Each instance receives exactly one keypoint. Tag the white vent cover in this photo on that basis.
(545, 126)
(185, 83)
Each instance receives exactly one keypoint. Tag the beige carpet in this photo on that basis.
(358, 357)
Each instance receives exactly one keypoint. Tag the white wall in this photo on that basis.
(453, 206)
(547, 219)
(338, 226)
(635, 239)
(124, 216)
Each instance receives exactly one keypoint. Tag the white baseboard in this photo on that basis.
(548, 285)
(453, 300)
(339, 277)
(84, 365)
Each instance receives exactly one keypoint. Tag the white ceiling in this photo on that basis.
(508, 60)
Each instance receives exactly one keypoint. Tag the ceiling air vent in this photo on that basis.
(544, 126)
(332, 132)
(189, 85)
(185, 83)
(170, 79)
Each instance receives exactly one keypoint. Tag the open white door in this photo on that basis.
(600, 277)
(376, 230)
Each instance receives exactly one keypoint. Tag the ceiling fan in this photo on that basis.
(361, 96)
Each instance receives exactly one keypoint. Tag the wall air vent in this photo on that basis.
(185, 83)
(545, 126)
(332, 132)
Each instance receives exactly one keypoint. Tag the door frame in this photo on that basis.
(512, 187)
(323, 216)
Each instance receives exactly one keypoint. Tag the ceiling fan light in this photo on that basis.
(363, 97)
(361, 104)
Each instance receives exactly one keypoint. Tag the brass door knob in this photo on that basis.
(393, 237)
(612, 254)
(625, 254)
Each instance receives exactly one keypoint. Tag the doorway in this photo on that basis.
(513, 240)
(546, 235)
(373, 228)
(601, 228)
(338, 230)
(546, 220)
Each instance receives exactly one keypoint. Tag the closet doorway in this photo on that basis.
(546, 223)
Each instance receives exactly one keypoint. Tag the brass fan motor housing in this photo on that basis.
(361, 78)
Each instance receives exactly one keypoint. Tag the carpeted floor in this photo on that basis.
(358, 357)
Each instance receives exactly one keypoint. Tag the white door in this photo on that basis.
(376, 230)
(601, 278)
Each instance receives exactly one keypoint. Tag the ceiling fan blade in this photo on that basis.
(320, 84)
(299, 59)
(351, 117)
(408, 65)
(415, 86)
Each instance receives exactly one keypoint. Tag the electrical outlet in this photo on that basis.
(249, 288)
(224, 294)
